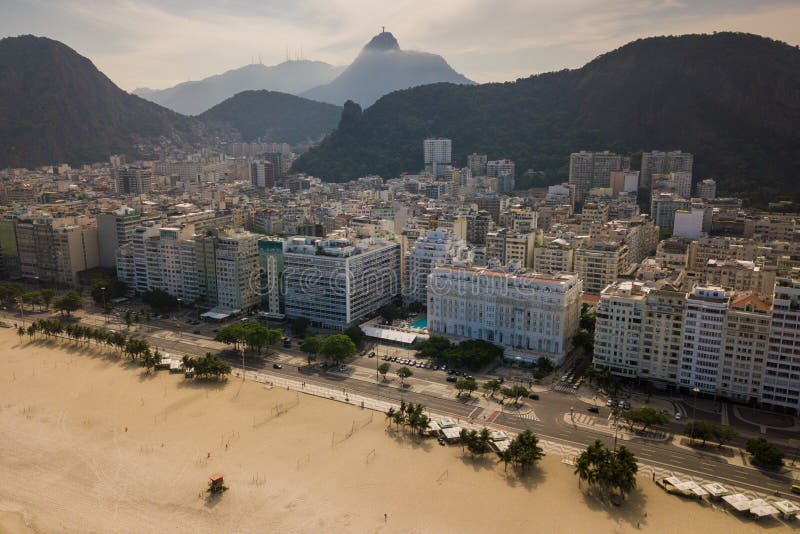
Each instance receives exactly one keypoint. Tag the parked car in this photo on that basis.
(610, 403)
(534, 396)
(452, 378)
(342, 368)
(277, 366)
(594, 409)
(677, 416)
(795, 488)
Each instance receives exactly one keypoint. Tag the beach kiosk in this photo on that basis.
(787, 508)
(216, 483)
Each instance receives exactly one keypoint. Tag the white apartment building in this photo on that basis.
(689, 223)
(781, 381)
(657, 162)
(663, 207)
(703, 333)
(237, 270)
(529, 314)
(599, 264)
(618, 331)
(508, 247)
(741, 275)
(557, 256)
(336, 282)
(662, 334)
(706, 189)
(438, 156)
(115, 229)
(434, 249)
(747, 327)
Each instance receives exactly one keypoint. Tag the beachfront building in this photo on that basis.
(747, 326)
(618, 330)
(435, 248)
(528, 314)
(781, 380)
(55, 249)
(703, 331)
(336, 282)
(115, 229)
(238, 276)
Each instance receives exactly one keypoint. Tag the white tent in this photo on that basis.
(716, 490)
(787, 508)
(761, 508)
(691, 487)
(738, 501)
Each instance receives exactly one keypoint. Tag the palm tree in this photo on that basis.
(390, 413)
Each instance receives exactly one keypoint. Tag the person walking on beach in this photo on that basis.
(385, 517)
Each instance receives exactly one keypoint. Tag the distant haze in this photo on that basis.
(157, 44)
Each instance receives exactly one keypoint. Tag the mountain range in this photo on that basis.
(195, 97)
(55, 106)
(382, 67)
(275, 117)
(731, 99)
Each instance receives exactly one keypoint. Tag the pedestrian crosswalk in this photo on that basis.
(531, 416)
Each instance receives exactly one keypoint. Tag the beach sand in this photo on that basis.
(92, 444)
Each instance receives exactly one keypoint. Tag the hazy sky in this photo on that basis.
(160, 43)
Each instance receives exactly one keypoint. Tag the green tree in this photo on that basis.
(433, 348)
(479, 443)
(151, 359)
(47, 297)
(646, 416)
(492, 386)
(355, 334)
(69, 303)
(299, 325)
(136, 348)
(160, 301)
(403, 373)
(391, 313)
(524, 450)
(518, 392)
(113, 289)
(765, 454)
(544, 365)
(128, 318)
(311, 346)
(609, 470)
(338, 347)
(702, 430)
(725, 434)
(466, 384)
(31, 298)
(583, 338)
(383, 369)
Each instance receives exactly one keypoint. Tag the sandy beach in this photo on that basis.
(93, 444)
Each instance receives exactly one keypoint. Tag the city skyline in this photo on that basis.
(143, 44)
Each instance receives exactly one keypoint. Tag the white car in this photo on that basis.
(677, 416)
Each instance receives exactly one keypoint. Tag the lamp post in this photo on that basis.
(695, 390)
(105, 304)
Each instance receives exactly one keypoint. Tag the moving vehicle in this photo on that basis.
(452, 378)
(534, 396)
(677, 416)
(594, 409)
(277, 366)
(795, 488)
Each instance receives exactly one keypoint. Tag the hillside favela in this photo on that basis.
(366, 267)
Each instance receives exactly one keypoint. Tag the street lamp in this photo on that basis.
(695, 390)
(105, 304)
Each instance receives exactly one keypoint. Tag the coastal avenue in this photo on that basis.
(550, 410)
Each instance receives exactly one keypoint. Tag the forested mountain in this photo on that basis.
(382, 67)
(732, 99)
(195, 97)
(275, 117)
(55, 106)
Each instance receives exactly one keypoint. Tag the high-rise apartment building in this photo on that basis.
(657, 162)
(703, 336)
(134, 181)
(238, 275)
(529, 314)
(593, 169)
(435, 248)
(55, 249)
(781, 380)
(747, 329)
(262, 174)
(477, 164)
(335, 282)
(438, 156)
(115, 229)
(707, 189)
(508, 246)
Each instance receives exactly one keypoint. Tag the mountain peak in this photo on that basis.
(383, 41)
